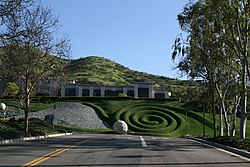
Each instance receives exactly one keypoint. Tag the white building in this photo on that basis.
(139, 90)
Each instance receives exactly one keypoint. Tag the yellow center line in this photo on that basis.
(52, 154)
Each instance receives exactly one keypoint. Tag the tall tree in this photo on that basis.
(205, 53)
(198, 60)
(236, 18)
(31, 49)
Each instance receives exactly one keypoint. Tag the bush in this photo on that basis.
(235, 142)
(11, 89)
(46, 99)
(160, 99)
(122, 95)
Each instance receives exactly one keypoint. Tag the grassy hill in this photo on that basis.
(98, 70)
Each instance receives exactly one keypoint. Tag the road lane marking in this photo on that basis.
(52, 154)
(143, 142)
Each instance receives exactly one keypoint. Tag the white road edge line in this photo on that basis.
(143, 143)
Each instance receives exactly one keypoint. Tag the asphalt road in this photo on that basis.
(116, 150)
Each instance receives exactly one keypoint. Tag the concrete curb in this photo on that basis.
(32, 138)
(224, 147)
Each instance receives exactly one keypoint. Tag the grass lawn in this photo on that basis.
(146, 117)
(37, 127)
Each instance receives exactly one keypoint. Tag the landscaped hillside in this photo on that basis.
(98, 70)
(160, 118)
(144, 117)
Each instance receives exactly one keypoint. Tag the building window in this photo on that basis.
(159, 95)
(97, 92)
(85, 92)
(112, 93)
(143, 92)
(130, 93)
(70, 92)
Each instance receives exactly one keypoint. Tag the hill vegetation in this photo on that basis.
(99, 70)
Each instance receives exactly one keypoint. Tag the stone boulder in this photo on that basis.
(120, 127)
(50, 118)
(2, 106)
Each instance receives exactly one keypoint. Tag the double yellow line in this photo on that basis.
(52, 154)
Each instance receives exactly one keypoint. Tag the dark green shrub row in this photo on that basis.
(159, 99)
(46, 99)
(92, 99)
(235, 142)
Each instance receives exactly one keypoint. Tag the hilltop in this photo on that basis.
(99, 70)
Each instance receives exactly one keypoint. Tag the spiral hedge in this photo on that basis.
(151, 118)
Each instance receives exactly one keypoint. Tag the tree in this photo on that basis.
(198, 60)
(206, 54)
(236, 18)
(7, 6)
(31, 49)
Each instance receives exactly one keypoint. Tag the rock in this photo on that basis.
(120, 127)
(49, 119)
(72, 114)
(2, 106)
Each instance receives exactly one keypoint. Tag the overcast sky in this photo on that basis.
(138, 34)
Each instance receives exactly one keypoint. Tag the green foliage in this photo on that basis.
(215, 33)
(152, 117)
(122, 95)
(14, 129)
(235, 142)
(145, 117)
(11, 89)
(11, 129)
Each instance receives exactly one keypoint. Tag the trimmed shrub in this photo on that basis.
(11, 89)
(235, 142)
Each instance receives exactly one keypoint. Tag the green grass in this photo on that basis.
(146, 117)
(98, 70)
(37, 127)
(158, 118)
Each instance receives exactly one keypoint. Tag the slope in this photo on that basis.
(98, 70)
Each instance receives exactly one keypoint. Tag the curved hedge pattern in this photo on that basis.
(158, 118)
(150, 119)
